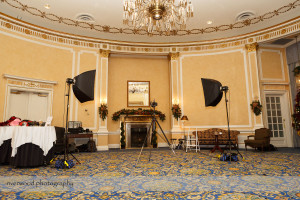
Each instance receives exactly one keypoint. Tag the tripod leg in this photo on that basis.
(75, 158)
(165, 137)
(145, 140)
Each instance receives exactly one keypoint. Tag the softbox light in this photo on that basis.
(212, 91)
(83, 88)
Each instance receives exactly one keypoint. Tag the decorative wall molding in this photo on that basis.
(27, 30)
(15, 4)
(174, 56)
(104, 53)
(252, 47)
(28, 85)
(246, 84)
(31, 82)
(96, 87)
(260, 51)
(275, 83)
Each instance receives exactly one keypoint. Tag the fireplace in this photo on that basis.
(138, 136)
(136, 133)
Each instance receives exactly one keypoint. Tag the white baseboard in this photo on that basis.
(162, 144)
(102, 148)
(113, 146)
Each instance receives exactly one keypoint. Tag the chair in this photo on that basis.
(261, 139)
(191, 141)
(59, 145)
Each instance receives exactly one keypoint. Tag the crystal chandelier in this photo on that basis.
(157, 15)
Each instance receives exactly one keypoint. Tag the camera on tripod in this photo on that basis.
(153, 104)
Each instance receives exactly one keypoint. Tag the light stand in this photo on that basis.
(225, 90)
(213, 93)
(83, 89)
(153, 128)
(69, 81)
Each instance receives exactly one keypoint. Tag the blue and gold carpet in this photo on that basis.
(118, 175)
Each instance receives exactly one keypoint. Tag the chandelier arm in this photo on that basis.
(157, 15)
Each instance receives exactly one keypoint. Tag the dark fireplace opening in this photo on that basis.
(138, 137)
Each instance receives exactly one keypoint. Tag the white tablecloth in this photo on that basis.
(42, 136)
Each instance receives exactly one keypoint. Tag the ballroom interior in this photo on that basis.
(38, 54)
(252, 47)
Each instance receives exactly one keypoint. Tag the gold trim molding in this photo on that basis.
(29, 82)
(104, 53)
(173, 56)
(252, 47)
(131, 31)
(14, 26)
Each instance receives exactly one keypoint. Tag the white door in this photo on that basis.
(28, 105)
(278, 119)
(37, 106)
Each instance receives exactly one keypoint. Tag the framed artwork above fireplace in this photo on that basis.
(138, 93)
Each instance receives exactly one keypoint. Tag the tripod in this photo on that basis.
(225, 90)
(153, 128)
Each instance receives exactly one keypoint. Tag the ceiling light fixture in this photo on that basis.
(157, 15)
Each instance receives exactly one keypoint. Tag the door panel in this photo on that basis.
(18, 104)
(37, 107)
(277, 113)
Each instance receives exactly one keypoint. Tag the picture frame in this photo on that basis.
(138, 93)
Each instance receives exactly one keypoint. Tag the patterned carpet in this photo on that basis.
(118, 175)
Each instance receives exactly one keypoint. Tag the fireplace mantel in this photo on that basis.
(137, 118)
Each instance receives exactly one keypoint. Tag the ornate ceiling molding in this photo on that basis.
(129, 31)
(27, 30)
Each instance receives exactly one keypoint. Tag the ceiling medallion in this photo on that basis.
(157, 15)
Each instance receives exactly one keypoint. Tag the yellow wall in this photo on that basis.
(35, 60)
(228, 68)
(123, 69)
(273, 65)
(28, 57)
(87, 110)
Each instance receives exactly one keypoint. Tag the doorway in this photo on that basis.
(278, 118)
(28, 104)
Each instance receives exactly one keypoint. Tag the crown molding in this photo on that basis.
(16, 27)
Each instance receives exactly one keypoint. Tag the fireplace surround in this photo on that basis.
(136, 129)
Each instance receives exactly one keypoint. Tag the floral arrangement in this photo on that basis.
(296, 70)
(154, 139)
(256, 107)
(176, 111)
(116, 115)
(103, 111)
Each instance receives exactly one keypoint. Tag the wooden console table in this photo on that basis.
(88, 135)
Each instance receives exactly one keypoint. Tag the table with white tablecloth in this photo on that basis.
(26, 146)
